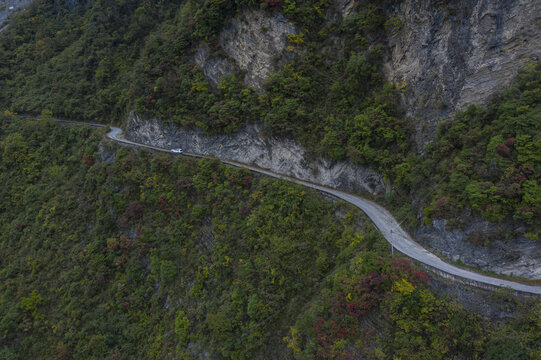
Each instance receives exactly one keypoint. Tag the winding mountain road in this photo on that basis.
(381, 218)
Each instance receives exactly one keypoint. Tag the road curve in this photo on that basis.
(381, 218)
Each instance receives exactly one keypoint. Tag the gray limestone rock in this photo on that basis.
(214, 67)
(250, 146)
(518, 256)
(257, 42)
(340, 9)
(455, 53)
(254, 42)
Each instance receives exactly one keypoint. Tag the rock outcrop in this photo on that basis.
(445, 55)
(517, 256)
(249, 146)
(450, 54)
(214, 66)
(254, 42)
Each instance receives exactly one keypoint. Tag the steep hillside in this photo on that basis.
(475, 191)
(346, 93)
(107, 252)
(313, 70)
(487, 166)
(111, 252)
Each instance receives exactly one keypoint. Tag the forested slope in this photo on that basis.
(488, 159)
(112, 253)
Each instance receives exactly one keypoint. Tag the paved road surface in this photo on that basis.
(8, 7)
(383, 220)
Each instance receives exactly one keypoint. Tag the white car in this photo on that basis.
(176, 151)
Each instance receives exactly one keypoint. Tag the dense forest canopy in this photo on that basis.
(111, 252)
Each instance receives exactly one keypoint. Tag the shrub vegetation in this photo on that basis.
(111, 252)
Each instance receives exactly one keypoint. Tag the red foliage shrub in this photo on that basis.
(421, 277)
(503, 150)
(128, 162)
(527, 170)
(125, 242)
(88, 160)
(62, 353)
(143, 251)
(510, 141)
(269, 3)
(513, 190)
(149, 100)
(403, 266)
(442, 206)
(247, 181)
(245, 210)
(102, 281)
(164, 64)
(163, 204)
(184, 183)
(134, 211)
(115, 354)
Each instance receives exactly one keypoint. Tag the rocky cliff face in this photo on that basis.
(249, 146)
(516, 256)
(445, 54)
(450, 54)
(254, 42)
